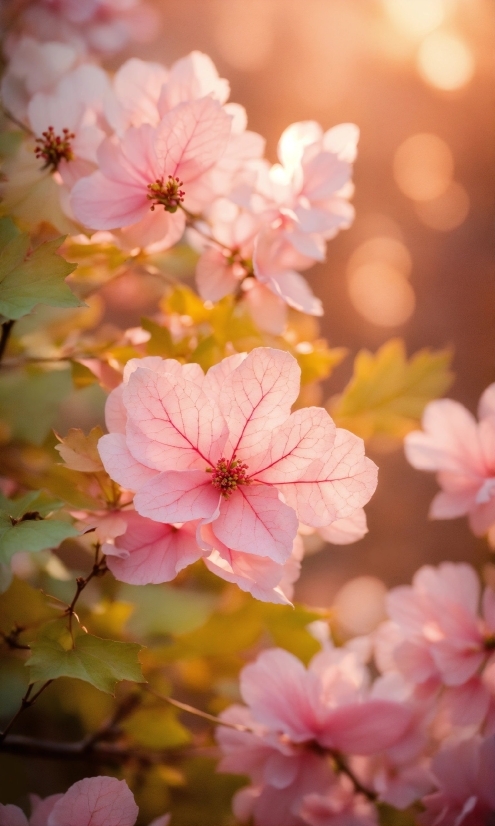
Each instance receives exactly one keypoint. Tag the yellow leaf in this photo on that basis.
(79, 451)
(388, 393)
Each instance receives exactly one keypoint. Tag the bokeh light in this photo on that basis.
(244, 33)
(423, 167)
(445, 61)
(360, 605)
(381, 294)
(416, 18)
(382, 249)
(448, 211)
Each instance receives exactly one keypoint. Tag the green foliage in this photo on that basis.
(388, 393)
(26, 391)
(160, 610)
(30, 278)
(24, 606)
(156, 727)
(103, 663)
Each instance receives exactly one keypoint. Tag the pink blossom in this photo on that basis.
(465, 777)
(294, 715)
(222, 449)
(146, 177)
(462, 452)
(104, 26)
(338, 807)
(438, 637)
(94, 801)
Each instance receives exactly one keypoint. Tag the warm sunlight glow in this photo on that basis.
(244, 33)
(445, 61)
(384, 250)
(360, 605)
(416, 18)
(381, 294)
(446, 212)
(423, 167)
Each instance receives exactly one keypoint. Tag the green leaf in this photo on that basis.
(103, 663)
(22, 392)
(388, 393)
(23, 605)
(31, 278)
(162, 610)
(31, 535)
(160, 343)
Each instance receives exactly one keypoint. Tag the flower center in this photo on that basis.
(168, 195)
(226, 476)
(54, 148)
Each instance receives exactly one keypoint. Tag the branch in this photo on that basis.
(342, 768)
(5, 335)
(99, 568)
(196, 711)
(26, 702)
(107, 753)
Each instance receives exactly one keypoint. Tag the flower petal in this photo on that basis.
(177, 496)
(96, 801)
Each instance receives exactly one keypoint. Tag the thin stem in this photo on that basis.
(26, 702)
(342, 768)
(105, 753)
(17, 122)
(5, 335)
(98, 569)
(196, 711)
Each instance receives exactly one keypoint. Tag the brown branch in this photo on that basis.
(342, 768)
(5, 335)
(12, 638)
(26, 702)
(106, 753)
(98, 569)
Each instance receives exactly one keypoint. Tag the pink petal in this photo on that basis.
(151, 552)
(345, 531)
(295, 291)
(277, 688)
(259, 576)
(11, 815)
(191, 138)
(333, 487)
(486, 407)
(192, 77)
(42, 808)
(294, 445)
(257, 397)
(342, 140)
(157, 230)
(99, 203)
(115, 412)
(254, 520)
(96, 801)
(217, 374)
(121, 465)
(268, 311)
(450, 441)
(450, 505)
(366, 728)
(215, 277)
(178, 496)
(175, 424)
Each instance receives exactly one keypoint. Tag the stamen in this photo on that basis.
(228, 475)
(53, 149)
(168, 195)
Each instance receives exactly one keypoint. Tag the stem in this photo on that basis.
(17, 122)
(98, 569)
(343, 768)
(196, 711)
(106, 753)
(4, 337)
(26, 702)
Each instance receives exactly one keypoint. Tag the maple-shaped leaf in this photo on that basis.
(103, 663)
(28, 278)
(79, 451)
(388, 393)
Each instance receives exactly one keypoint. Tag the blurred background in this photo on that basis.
(418, 262)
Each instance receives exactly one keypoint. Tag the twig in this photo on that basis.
(98, 569)
(106, 753)
(196, 711)
(12, 638)
(342, 768)
(5, 335)
(26, 702)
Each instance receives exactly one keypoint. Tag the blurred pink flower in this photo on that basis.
(465, 776)
(144, 179)
(295, 716)
(462, 452)
(221, 448)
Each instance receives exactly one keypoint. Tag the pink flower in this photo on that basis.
(104, 26)
(65, 123)
(465, 775)
(222, 448)
(438, 637)
(94, 801)
(146, 177)
(295, 715)
(338, 807)
(462, 452)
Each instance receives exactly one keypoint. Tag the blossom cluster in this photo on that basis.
(149, 152)
(222, 470)
(323, 745)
